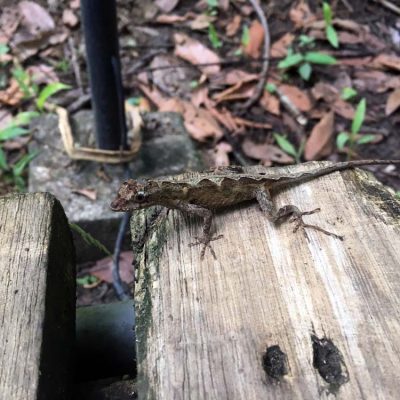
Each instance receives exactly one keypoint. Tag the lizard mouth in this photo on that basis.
(119, 205)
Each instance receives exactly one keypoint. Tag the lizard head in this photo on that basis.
(133, 195)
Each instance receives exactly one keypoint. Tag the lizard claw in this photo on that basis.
(298, 218)
(205, 242)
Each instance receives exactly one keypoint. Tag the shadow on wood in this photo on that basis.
(37, 298)
(278, 315)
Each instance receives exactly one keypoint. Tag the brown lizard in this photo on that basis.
(201, 193)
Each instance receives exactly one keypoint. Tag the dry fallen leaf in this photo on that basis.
(75, 4)
(235, 76)
(319, 144)
(236, 92)
(233, 26)
(393, 102)
(298, 97)
(256, 38)
(172, 18)
(69, 18)
(12, 95)
(9, 21)
(221, 154)
(5, 118)
(301, 15)
(344, 109)
(387, 61)
(279, 48)
(265, 152)
(196, 53)
(200, 123)
(103, 268)
(91, 194)
(36, 21)
(166, 5)
(270, 103)
(42, 74)
(375, 81)
(201, 21)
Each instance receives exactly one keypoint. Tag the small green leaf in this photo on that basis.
(327, 11)
(238, 52)
(364, 139)
(12, 131)
(291, 60)
(194, 84)
(306, 40)
(89, 239)
(19, 167)
(4, 49)
(285, 145)
(49, 90)
(133, 101)
(213, 36)
(359, 116)
(245, 36)
(24, 118)
(348, 93)
(212, 3)
(316, 57)
(341, 140)
(305, 71)
(87, 280)
(270, 87)
(332, 36)
(3, 160)
(397, 194)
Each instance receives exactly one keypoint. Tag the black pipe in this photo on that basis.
(99, 19)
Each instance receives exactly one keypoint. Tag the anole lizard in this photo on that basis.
(201, 193)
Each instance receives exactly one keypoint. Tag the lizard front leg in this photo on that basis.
(264, 199)
(207, 215)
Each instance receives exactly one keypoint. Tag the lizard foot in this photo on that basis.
(297, 217)
(205, 242)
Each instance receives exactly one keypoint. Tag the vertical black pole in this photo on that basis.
(101, 38)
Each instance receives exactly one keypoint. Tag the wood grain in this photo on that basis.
(203, 327)
(37, 298)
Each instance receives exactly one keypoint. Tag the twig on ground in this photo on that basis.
(348, 5)
(267, 43)
(75, 65)
(389, 5)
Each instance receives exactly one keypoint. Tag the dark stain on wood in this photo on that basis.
(275, 362)
(328, 360)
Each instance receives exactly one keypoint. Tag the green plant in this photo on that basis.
(352, 138)
(13, 173)
(89, 239)
(212, 7)
(270, 88)
(288, 147)
(348, 93)
(304, 61)
(213, 36)
(330, 31)
(49, 90)
(31, 89)
(87, 280)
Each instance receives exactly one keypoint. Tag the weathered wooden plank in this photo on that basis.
(331, 306)
(37, 298)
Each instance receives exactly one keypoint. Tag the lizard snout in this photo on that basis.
(119, 204)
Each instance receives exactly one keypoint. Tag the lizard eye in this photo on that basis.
(140, 196)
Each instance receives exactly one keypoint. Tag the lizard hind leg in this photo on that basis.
(264, 199)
